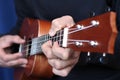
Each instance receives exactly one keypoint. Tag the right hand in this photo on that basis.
(8, 59)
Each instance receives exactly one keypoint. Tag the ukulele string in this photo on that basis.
(72, 42)
(79, 29)
(73, 31)
(55, 37)
(41, 41)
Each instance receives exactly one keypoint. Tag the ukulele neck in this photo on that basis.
(33, 46)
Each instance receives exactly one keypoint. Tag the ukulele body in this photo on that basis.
(37, 67)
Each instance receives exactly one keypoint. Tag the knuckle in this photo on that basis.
(17, 37)
(64, 73)
(56, 23)
(58, 65)
(54, 49)
(4, 38)
(9, 64)
(69, 17)
(43, 47)
(65, 56)
(48, 54)
(4, 59)
(18, 62)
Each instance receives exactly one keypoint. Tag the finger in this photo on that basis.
(55, 27)
(6, 41)
(16, 62)
(46, 48)
(63, 53)
(23, 65)
(59, 23)
(7, 57)
(64, 72)
(61, 64)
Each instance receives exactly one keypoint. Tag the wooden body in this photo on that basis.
(37, 67)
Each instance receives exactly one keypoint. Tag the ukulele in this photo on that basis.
(95, 34)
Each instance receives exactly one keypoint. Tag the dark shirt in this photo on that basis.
(79, 10)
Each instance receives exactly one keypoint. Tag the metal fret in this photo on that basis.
(34, 45)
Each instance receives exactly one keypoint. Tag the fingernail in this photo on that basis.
(24, 65)
(23, 40)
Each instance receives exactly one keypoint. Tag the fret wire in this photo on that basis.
(41, 41)
(60, 38)
(72, 41)
(27, 50)
(49, 38)
(59, 31)
(45, 37)
(40, 37)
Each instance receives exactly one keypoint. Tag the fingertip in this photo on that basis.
(24, 66)
(51, 33)
(50, 43)
(56, 44)
(18, 39)
(25, 61)
(19, 54)
(21, 40)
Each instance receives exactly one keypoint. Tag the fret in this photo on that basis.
(61, 37)
(33, 46)
(47, 37)
(57, 38)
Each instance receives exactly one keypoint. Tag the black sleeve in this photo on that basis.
(20, 17)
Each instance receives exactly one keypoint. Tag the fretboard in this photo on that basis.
(33, 46)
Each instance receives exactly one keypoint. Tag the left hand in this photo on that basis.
(61, 59)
